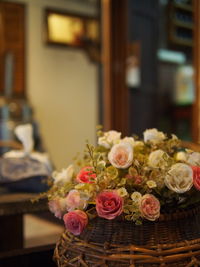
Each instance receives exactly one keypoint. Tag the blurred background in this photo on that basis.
(69, 65)
(58, 84)
(53, 63)
(163, 95)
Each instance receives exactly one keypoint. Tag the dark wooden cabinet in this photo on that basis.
(12, 49)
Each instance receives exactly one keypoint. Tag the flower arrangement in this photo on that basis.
(136, 179)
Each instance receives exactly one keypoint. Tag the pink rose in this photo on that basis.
(86, 175)
(196, 177)
(57, 207)
(150, 207)
(109, 204)
(74, 201)
(75, 221)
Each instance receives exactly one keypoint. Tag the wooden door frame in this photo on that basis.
(114, 51)
(196, 56)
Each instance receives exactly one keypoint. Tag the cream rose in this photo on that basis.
(64, 176)
(109, 139)
(179, 178)
(149, 207)
(194, 158)
(158, 159)
(154, 136)
(129, 140)
(135, 144)
(121, 155)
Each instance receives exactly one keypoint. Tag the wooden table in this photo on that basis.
(41, 256)
(12, 208)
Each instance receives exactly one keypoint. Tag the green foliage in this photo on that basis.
(112, 172)
(131, 211)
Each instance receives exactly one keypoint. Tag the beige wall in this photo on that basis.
(61, 86)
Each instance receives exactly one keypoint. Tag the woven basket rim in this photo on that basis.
(67, 236)
(158, 254)
(180, 213)
(173, 247)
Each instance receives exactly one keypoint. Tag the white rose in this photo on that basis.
(194, 158)
(181, 156)
(109, 138)
(179, 178)
(129, 140)
(121, 155)
(64, 176)
(157, 159)
(154, 136)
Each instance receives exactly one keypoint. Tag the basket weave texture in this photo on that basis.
(172, 241)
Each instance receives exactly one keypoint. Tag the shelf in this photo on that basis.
(183, 6)
(183, 24)
(180, 41)
(180, 23)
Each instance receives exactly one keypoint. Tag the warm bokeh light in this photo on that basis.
(65, 29)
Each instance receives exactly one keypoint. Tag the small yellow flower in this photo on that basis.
(122, 192)
(151, 184)
(181, 156)
(136, 196)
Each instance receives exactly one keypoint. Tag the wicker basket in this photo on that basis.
(172, 241)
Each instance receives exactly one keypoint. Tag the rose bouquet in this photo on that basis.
(127, 177)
